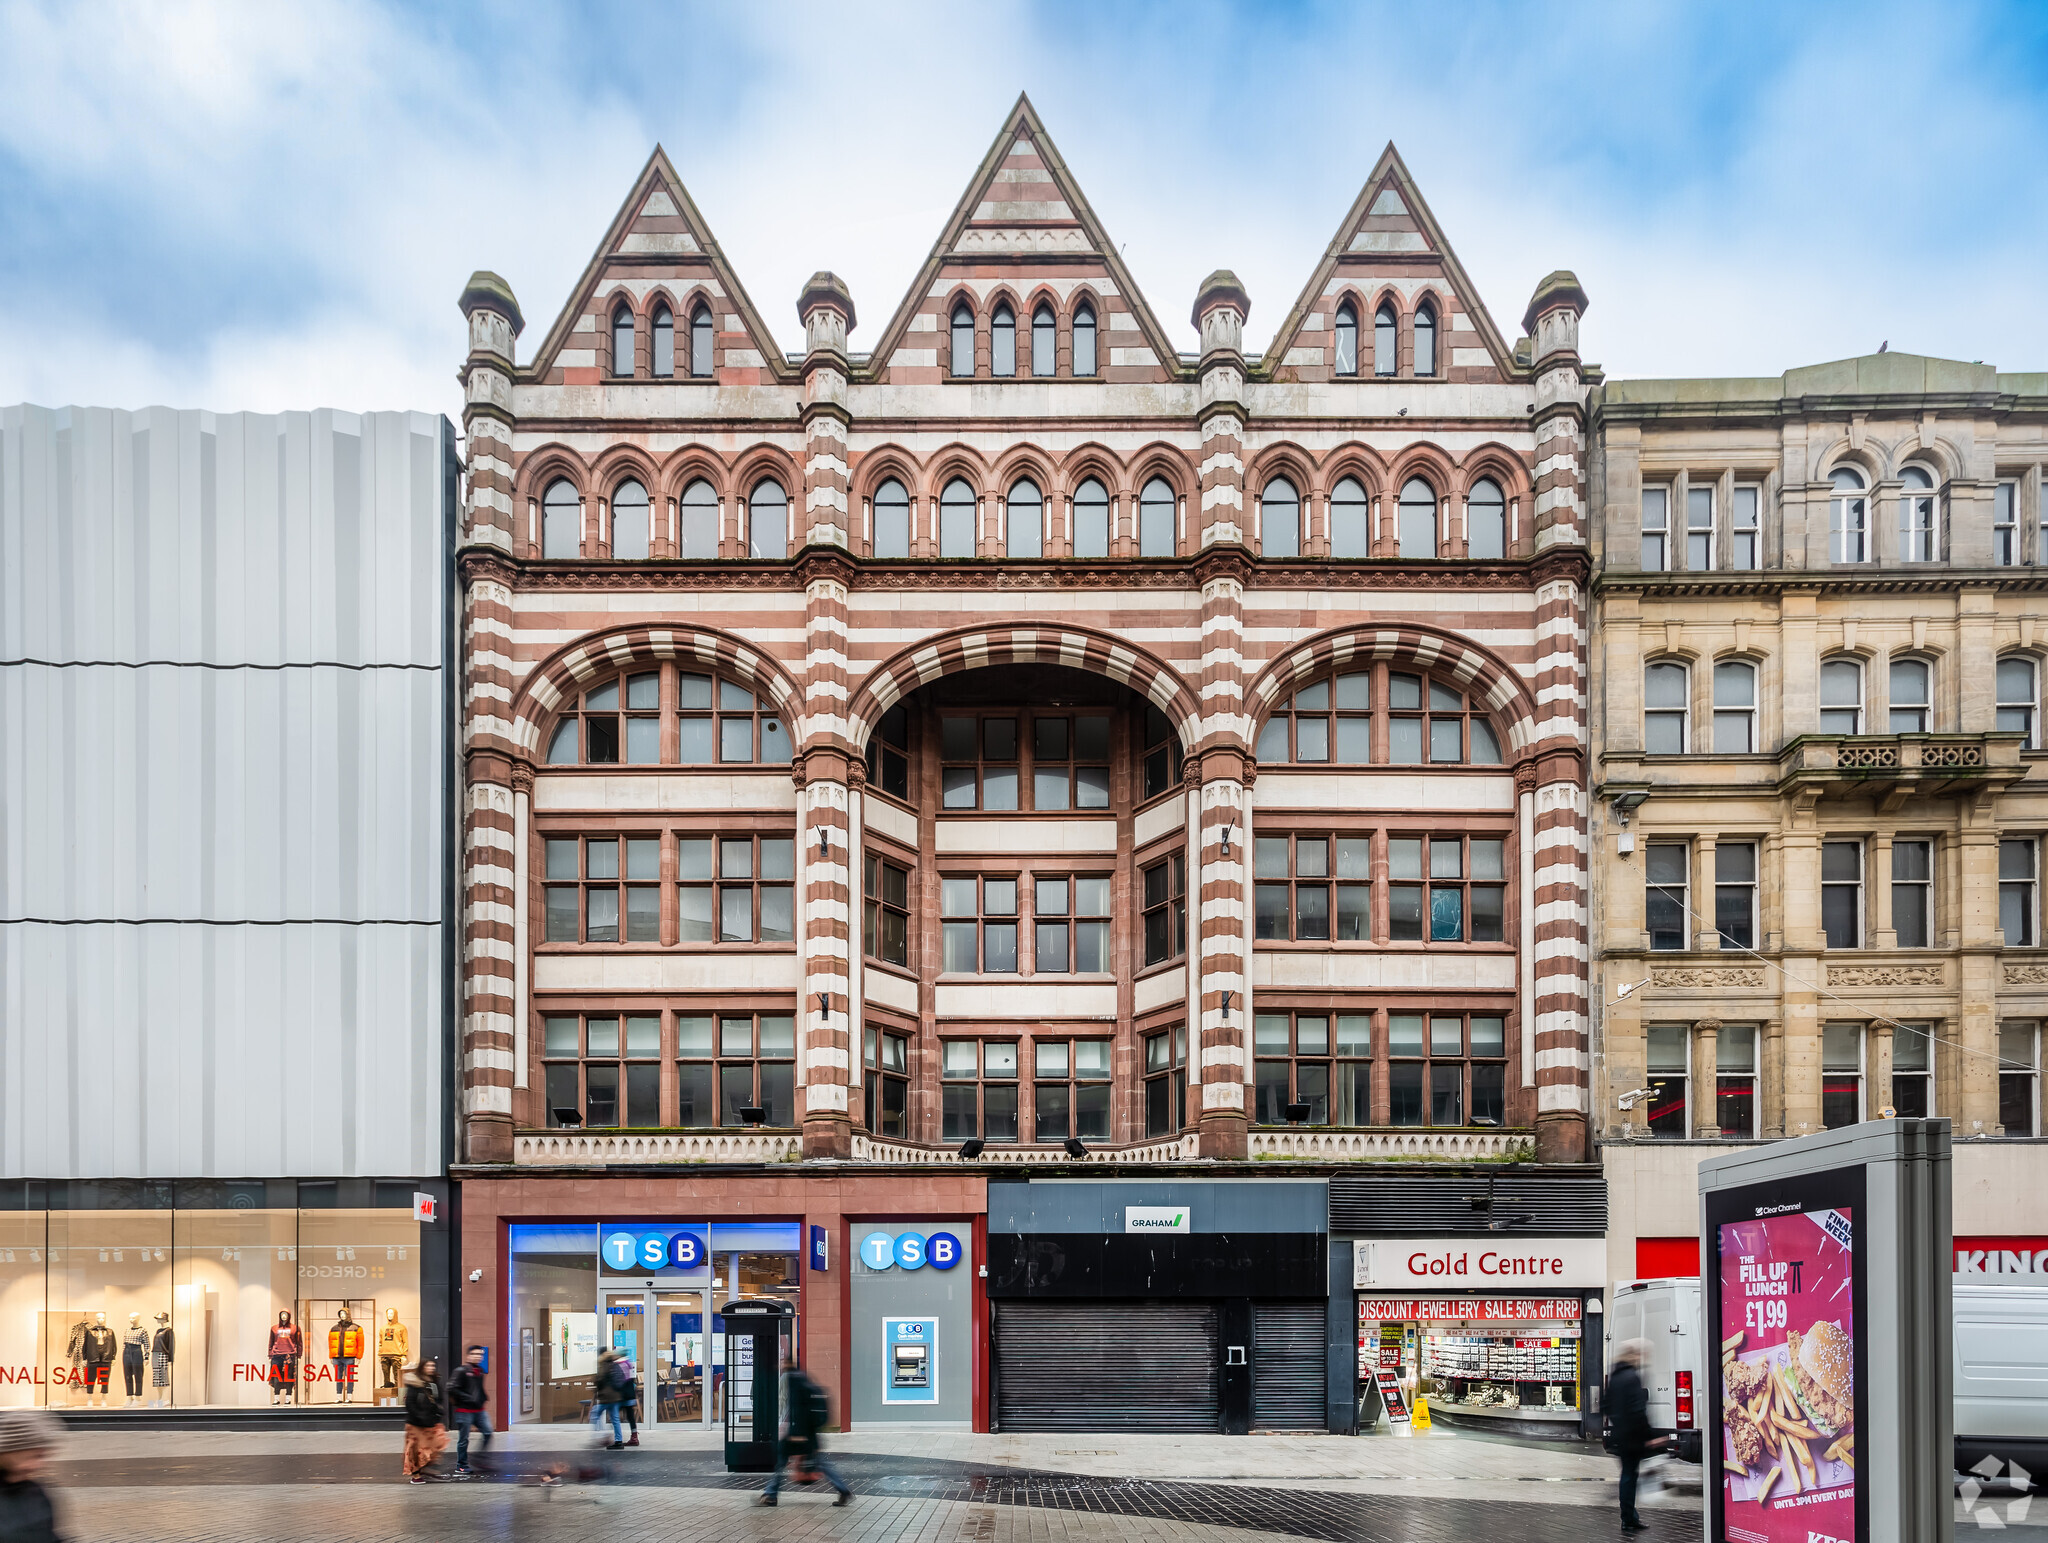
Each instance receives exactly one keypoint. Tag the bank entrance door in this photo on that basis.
(668, 1339)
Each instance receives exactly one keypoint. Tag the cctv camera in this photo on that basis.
(475, 1276)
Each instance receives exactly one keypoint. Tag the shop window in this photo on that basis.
(889, 754)
(1462, 881)
(1841, 893)
(1160, 763)
(1735, 893)
(1745, 530)
(1166, 909)
(978, 924)
(1913, 1071)
(2018, 892)
(1318, 1059)
(757, 1068)
(1070, 1090)
(723, 720)
(1841, 1074)
(1656, 528)
(1446, 1069)
(1666, 906)
(2019, 1078)
(1734, 707)
(892, 520)
(1669, 1064)
(590, 904)
(1910, 700)
(619, 722)
(1166, 1081)
(605, 1067)
(1071, 926)
(1735, 1080)
(1913, 893)
(735, 889)
(1091, 519)
(885, 914)
(1426, 720)
(978, 1089)
(888, 1083)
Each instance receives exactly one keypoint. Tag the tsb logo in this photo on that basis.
(909, 1251)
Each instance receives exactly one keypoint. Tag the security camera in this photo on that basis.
(475, 1276)
(1630, 1099)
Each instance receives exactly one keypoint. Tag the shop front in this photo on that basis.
(1514, 1364)
(162, 1295)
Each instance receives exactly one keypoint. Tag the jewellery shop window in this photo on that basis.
(1486, 1355)
(188, 1309)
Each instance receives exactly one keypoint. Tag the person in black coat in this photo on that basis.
(27, 1437)
(805, 1415)
(1628, 1425)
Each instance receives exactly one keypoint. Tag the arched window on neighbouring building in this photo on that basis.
(956, 520)
(1084, 339)
(1024, 524)
(1910, 703)
(1486, 522)
(1417, 528)
(1280, 520)
(2019, 699)
(1425, 339)
(629, 521)
(1347, 339)
(664, 342)
(1734, 707)
(1667, 707)
(963, 338)
(1091, 519)
(1919, 531)
(697, 530)
(700, 343)
(1350, 520)
(622, 340)
(1044, 341)
(1386, 341)
(561, 521)
(1003, 341)
(1841, 696)
(1155, 520)
(1848, 517)
(892, 520)
(768, 521)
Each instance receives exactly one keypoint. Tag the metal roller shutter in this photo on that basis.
(1290, 1365)
(1103, 1366)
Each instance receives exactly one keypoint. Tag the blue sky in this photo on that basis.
(273, 206)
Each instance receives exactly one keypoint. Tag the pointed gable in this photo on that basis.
(1024, 231)
(658, 247)
(1390, 248)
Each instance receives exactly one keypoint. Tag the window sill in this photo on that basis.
(1486, 768)
(641, 768)
(1100, 978)
(1362, 945)
(543, 949)
(1178, 961)
(1081, 859)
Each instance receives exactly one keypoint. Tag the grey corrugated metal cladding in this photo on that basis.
(1560, 1203)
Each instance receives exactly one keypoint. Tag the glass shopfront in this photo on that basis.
(1487, 1357)
(651, 1290)
(237, 1304)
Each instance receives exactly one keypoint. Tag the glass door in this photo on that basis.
(625, 1330)
(678, 1362)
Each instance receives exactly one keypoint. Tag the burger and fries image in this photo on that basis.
(1789, 1409)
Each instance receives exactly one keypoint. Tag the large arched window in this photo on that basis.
(2019, 698)
(1486, 522)
(1417, 527)
(1044, 340)
(561, 521)
(1347, 339)
(1734, 707)
(768, 521)
(1350, 520)
(700, 343)
(622, 340)
(1667, 707)
(697, 533)
(1919, 534)
(664, 342)
(1003, 341)
(1024, 526)
(956, 520)
(1416, 716)
(721, 719)
(629, 521)
(1386, 341)
(1091, 519)
(1425, 339)
(1280, 519)
(1848, 517)
(892, 520)
(1084, 339)
(1155, 520)
(1841, 696)
(617, 721)
(963, 338)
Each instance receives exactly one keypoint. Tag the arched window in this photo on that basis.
(1091, 520)
(629, 521)
(1919, 535)
(697, 534)
(1280, 519)
(1347, 339)
(768, 521)
(1024, 528)
(956, 520)
(1425, 718)
(1425, 339)
(1044, 340)
(1084, 339)
(1486, 522)
(892, 520)
(1350, 520)
(619, 722)
(700, 343)
(1003, 341)
(1667, 708)
(664, 342)
(1911, 699)
(1848, 517)
(2018, 699)
(561, 521)
(1386, 341)
(963, 338)
(1734, 707)
(1155, 520)
(1841, 696)
(622, 340)
(722, 719)
(1417, 529)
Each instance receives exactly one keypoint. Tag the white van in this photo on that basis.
(1664, 1315)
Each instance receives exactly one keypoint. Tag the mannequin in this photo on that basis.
(163, 1349)
(134, 1354)
(99, 1358)
(74, 1351)
(392, 1343)
(287, 1344)
(344, 1349)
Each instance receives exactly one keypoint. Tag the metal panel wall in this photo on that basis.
(225, 706)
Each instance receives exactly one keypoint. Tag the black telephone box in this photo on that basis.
(757, 1336)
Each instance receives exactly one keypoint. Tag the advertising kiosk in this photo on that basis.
(757, 1337)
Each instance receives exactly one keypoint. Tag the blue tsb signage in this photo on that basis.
(661, 1248)
(909, 1251)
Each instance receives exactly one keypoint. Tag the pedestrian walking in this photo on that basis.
(1628, 1425)
(608, 1394)
(805, 1414)
(27, 1438)
(630, 1404)
(468, 1392)
(426, 1425)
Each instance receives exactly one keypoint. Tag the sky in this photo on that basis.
(271, 206)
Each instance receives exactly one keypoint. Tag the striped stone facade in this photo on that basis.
(839, 573)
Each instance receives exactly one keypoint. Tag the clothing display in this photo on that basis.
(287, 1344)
(345, 1341)
(163, 1348)
(98, 1349)
(74, 1352)
(134, 1354)
(393, 1343)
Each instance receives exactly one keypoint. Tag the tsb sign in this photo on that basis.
(909, 1251)
(651, 1249)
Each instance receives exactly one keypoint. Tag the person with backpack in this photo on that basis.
(426, 1423)
(607, 1395)
(468, 1392)
(805, 1415)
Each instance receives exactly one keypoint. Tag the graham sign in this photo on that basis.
(1157, 1218)
(1459, 1264)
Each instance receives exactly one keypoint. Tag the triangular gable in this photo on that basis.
(1390, 240)
(659, 240)
(1023, 224)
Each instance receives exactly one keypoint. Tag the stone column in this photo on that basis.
(494, 325)
(1705, 934)
(1223, 962)
(1706, 1067)
(490, 986)
(826, 309)
(1221, 308)
(1770, 1073)
(1877, 1070)
(1877, 892)
(824, 862)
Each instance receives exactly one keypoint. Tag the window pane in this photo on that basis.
(1489, 914)
(1404, 913)
(1665, 862)
(999, 787)
(2016, 1104)
(1050, 1123)
(693, 1094)
(1838, 915)
(999, 1113)
(958, 943)
(1050, 948)
(1269, 1093)
(693, 913)
(561, 915)
(1312, 1036)
(959, 1110)
(1910, 1048)
(735, 915)
(778, 913)
(561, 1092)
(1447, 1095)
(999, 897)
(2015, 860)
(1404, 1093)
(1354, 1034)
(643, 914)
(1667, 1049)
(1666, 1109)
(1091, 1111)
(1049, 1058)
(999, 948)
(693, 745)
(1446, 1036)
(735, 739)
(559, 1036)
(1841, 1047)
(1091, 947)
(600, 1095)
(2015, 1047)
(1311, 739)
(1269, 1033)
(1736, 1050)
(1404, 1034)
(1270, 902)
(1354, 913)
(1485, 744)
(643, 1095)
(1735, 1105)
(602, 917)
(1488, 855)
(1489, 1094)
(1446, 915)
(1049, 787)
(1404, 741)
(1312, 911)
(1446, 739)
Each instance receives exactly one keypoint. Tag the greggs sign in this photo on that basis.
(1460, 1264)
